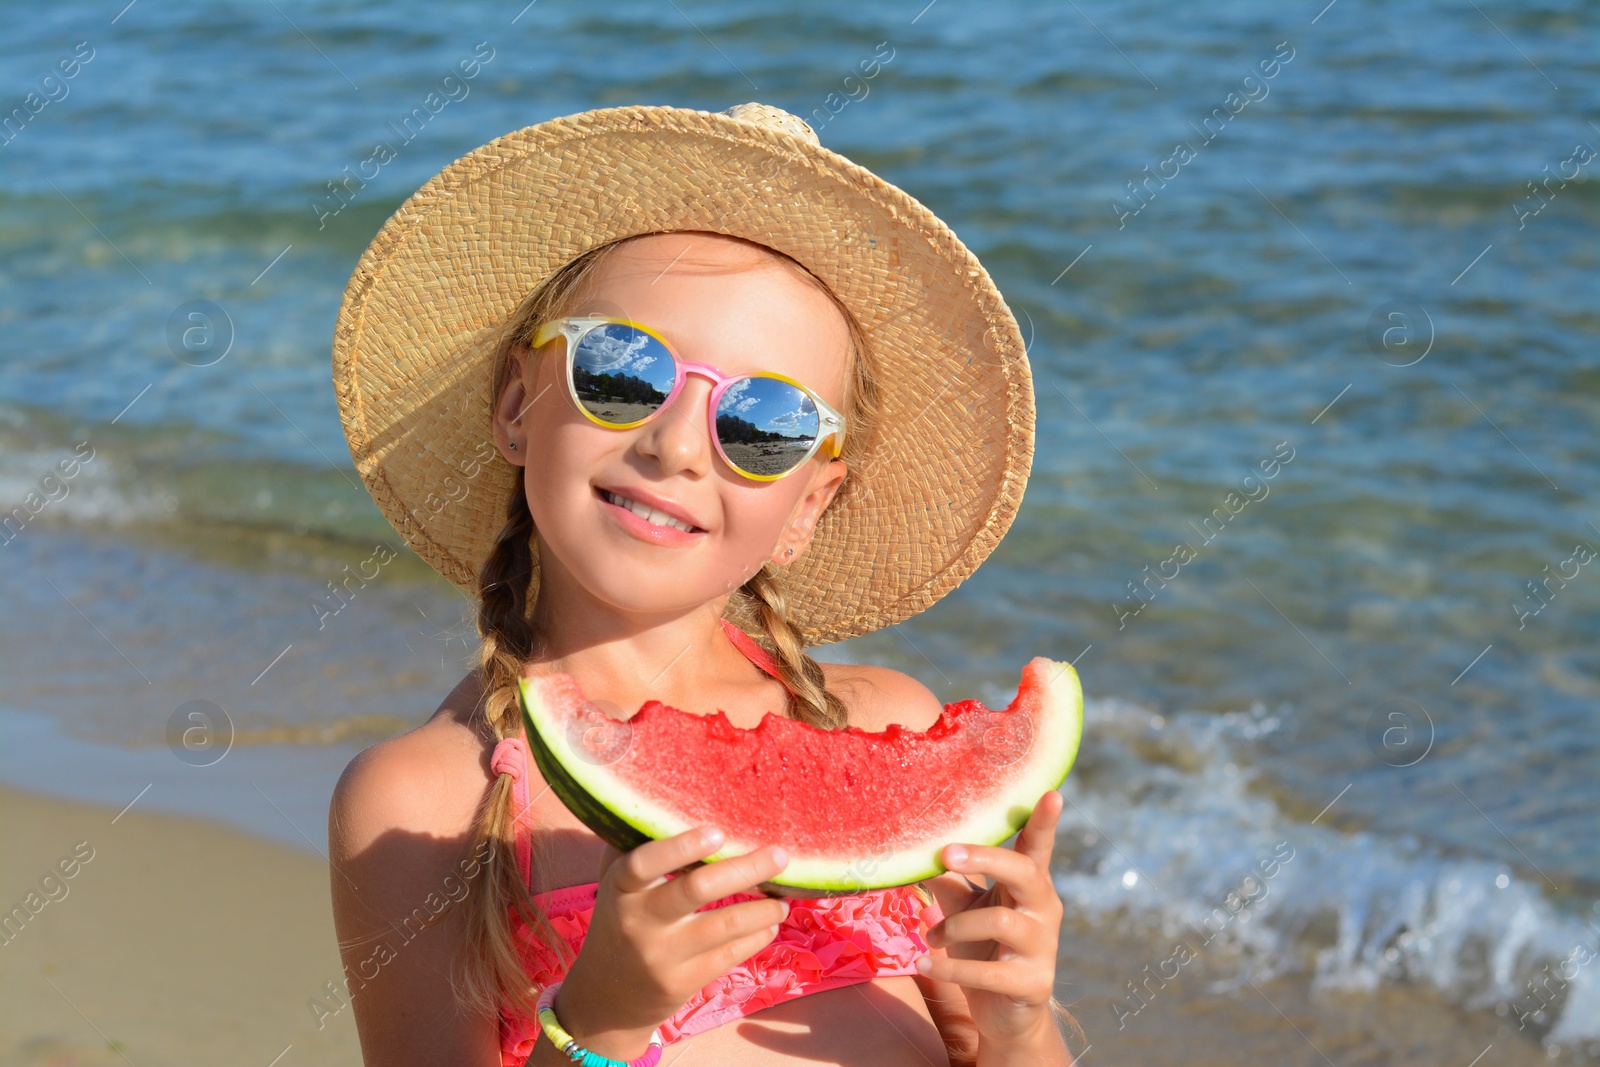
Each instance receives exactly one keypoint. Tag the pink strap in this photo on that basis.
(511, 757)
(752, 651)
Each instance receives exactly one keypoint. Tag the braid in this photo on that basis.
(492, 973)
(503, 605)
(810, 699)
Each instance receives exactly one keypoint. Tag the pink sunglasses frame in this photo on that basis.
(572, 330)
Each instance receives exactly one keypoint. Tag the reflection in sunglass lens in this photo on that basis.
(622, 375)
(766, 426)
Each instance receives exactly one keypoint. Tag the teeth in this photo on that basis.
(649, 514)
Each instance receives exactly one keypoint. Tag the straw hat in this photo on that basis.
(412, 349)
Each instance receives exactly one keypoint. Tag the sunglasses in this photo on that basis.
(622, 374)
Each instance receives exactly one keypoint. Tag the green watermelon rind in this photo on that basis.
(627, 821)
(608, 825)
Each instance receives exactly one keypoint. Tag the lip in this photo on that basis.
(677, 511)
(637, 523)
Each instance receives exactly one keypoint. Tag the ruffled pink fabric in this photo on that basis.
(823, 943)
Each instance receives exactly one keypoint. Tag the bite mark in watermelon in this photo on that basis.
(855, 810)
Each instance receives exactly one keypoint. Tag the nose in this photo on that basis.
(677, 438)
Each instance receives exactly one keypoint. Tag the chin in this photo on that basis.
(659, 594)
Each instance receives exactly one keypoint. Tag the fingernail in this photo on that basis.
(780, 855)
(711, 836)
(955, 855)
(924, 964)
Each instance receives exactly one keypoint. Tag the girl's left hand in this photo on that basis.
(1001, 946)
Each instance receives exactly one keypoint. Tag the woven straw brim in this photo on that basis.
(413, 344)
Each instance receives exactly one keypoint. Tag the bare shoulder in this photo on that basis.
(426, 781)
(879, 697)
(400, 826)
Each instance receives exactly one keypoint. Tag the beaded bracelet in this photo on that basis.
(576, 1052)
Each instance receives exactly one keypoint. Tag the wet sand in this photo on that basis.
(1278, 1023)
(176, 942)
(181, 941)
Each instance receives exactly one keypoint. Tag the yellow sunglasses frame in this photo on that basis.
(572, 329)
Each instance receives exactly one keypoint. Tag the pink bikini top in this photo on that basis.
(823, 943)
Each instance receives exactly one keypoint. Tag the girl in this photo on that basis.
(684, 414)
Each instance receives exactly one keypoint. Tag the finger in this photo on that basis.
(608, 856)
(718, 927)
(722, 958)
(1037, 837)
(954, 892)
(715, 880)
(952, 1014)
(1009, 978)
(947, 1002)
(1028, 883)
(646, 866)
(1008, 926)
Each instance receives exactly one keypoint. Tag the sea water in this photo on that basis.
(1311, 299)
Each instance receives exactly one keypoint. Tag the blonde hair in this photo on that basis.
(492, 975)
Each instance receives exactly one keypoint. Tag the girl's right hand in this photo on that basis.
(647, 949)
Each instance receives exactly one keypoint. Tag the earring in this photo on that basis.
(513, 445)
(788, 551)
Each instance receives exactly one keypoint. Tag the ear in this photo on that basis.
(510, 409)
(824, 487)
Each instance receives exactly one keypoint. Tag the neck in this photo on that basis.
(629, 658)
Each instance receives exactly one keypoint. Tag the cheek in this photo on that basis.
(560, 438)
(754, 519)
(563, 459)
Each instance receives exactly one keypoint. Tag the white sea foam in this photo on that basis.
(1163, 824)
(32, 488)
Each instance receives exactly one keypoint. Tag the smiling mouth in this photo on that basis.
(645, 512)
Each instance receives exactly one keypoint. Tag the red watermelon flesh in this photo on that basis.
(856, 810)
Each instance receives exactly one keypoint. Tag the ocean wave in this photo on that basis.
(1170, 831)
(168, 477)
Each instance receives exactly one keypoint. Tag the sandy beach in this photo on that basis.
(179, 941)
(176, 941)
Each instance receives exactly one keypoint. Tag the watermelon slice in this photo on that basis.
(855, 810)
